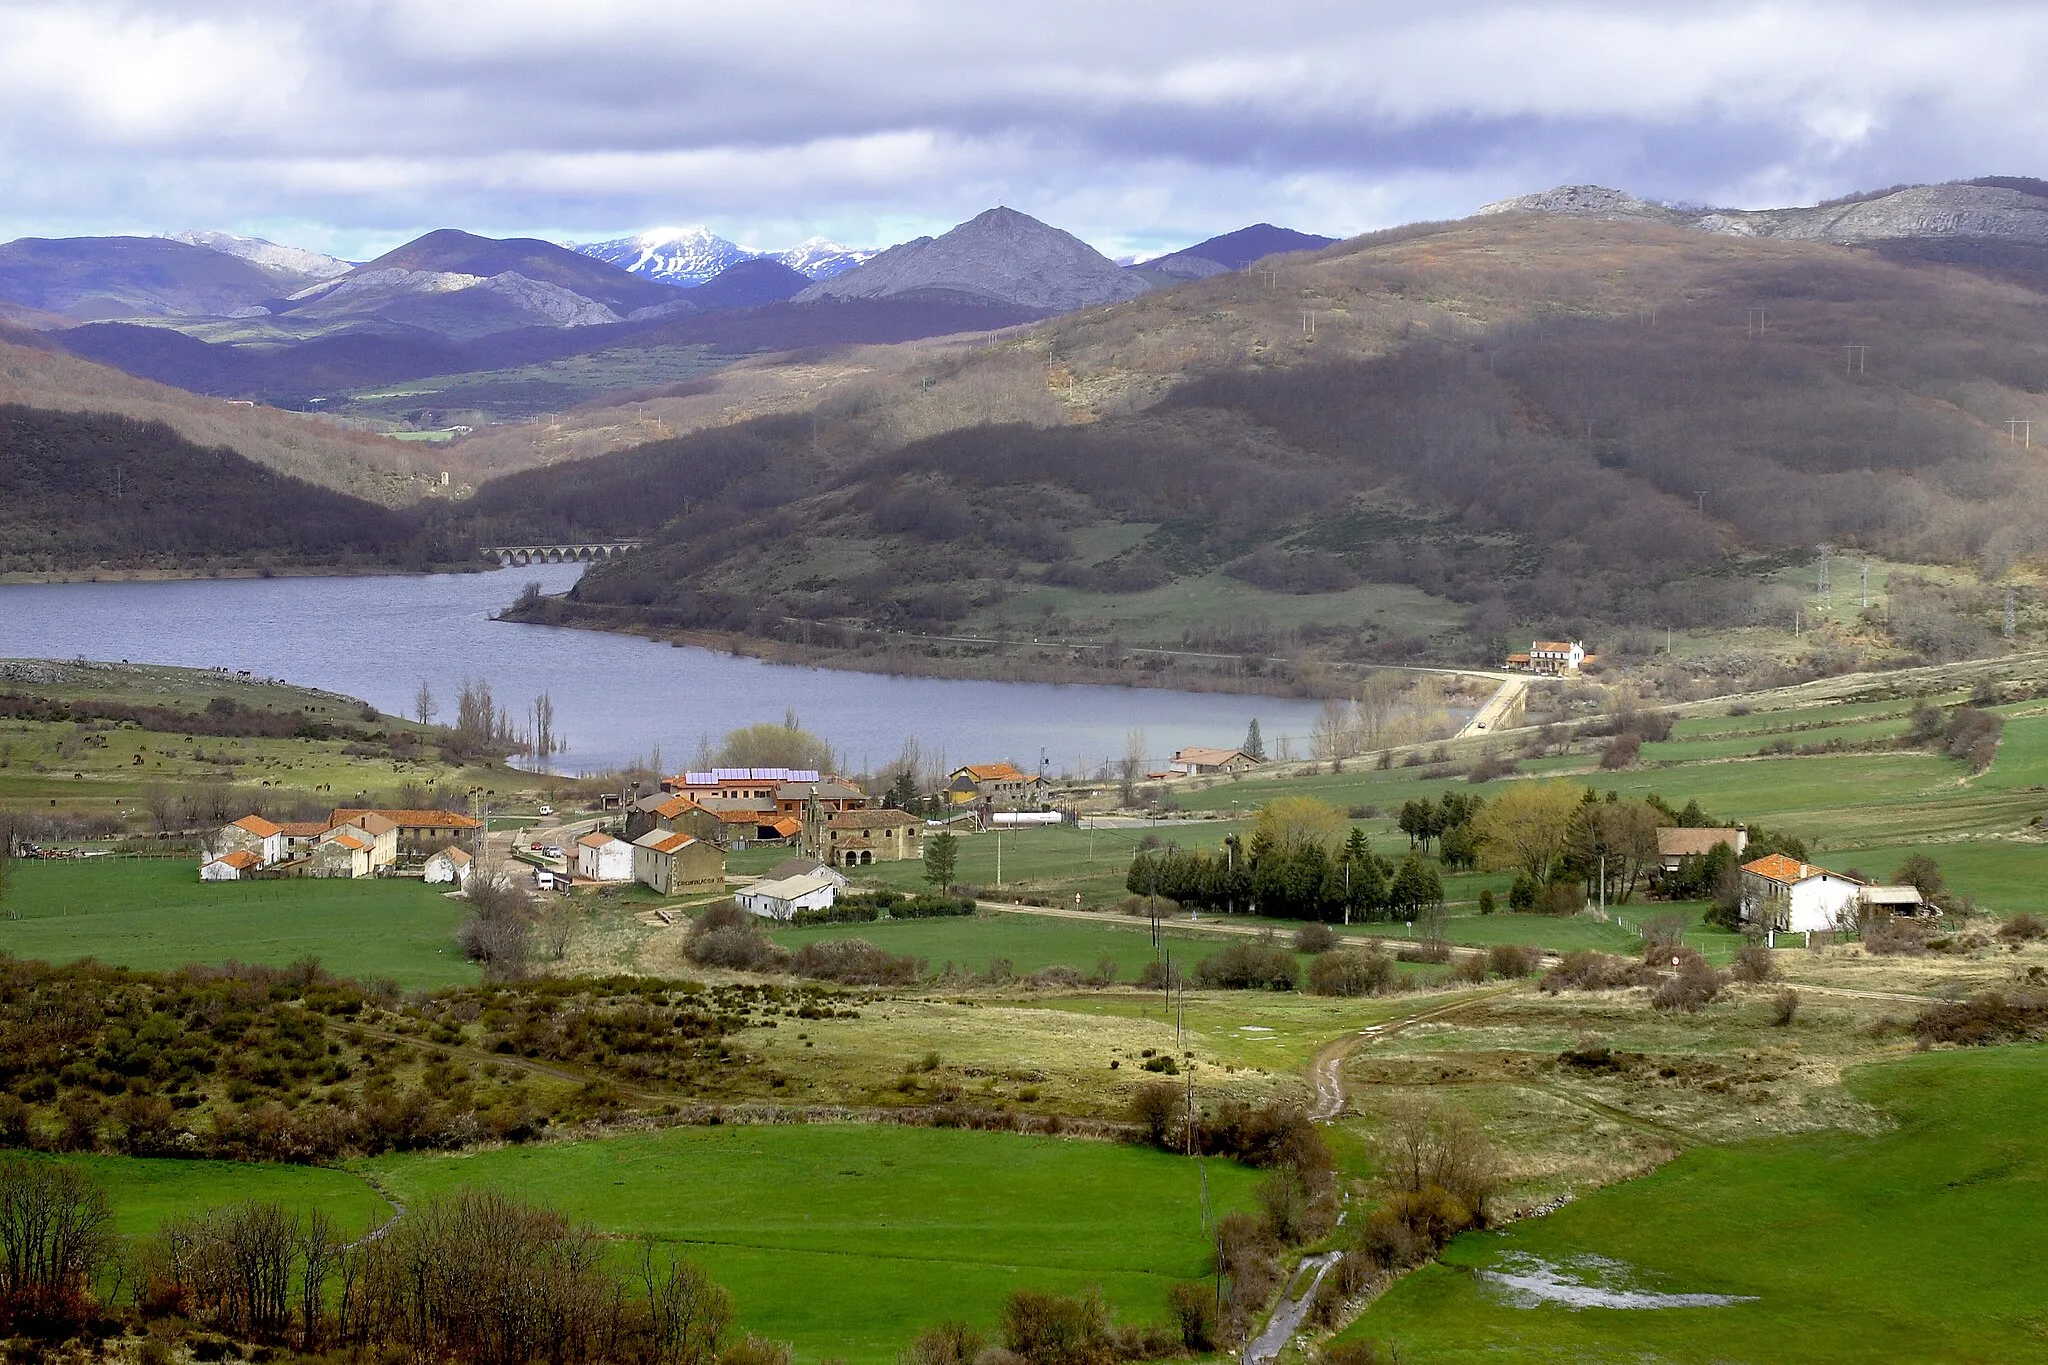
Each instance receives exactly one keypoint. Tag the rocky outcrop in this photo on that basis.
(1917, 213)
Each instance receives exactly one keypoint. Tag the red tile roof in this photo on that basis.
(241, 859)
(870, 819)
(1785, 871)
(994, 772)
(257, 826)
(410, 819)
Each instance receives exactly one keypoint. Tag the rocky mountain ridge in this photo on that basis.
(1970, 210)
(688, 257)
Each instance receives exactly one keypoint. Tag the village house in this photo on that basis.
(420, 832)
(1550, 658)
(1003, 786)
(827, 794)
(602, 857)
(753, 784)
(254, 835)
(1675, 845)
(451, 864)
(1194, 761)
(343, 853)
(780, 900)
(856, 838)
(229, 866)
(804, 867)
(1782, 893)
(677, 864)
(1894, 900)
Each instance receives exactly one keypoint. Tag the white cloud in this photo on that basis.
(1138, 126)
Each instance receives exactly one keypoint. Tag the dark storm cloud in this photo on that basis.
(354, 125)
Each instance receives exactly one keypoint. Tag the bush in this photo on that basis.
(1250, 966)
(1191, 1312)
(1784, 1007)
(1691, 988)
(1486, 902)
(1623, 751)
(1160, 976)
(1522, 895)
(1984, 1019)
(2024, 927)
(1512, 962)
(1753, 964)
(855, 962)
(1057, 1329)
(1469, 969)
(949, 1343)
(1314, 937)
(1157, 1108)
(1351, 972)
(1587, 970)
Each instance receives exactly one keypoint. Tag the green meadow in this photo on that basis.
(846, 1239)
(1925, 1242)
(146, 1190)
(154, 914)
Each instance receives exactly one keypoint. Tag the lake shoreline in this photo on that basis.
(100, 575)
(982, 659)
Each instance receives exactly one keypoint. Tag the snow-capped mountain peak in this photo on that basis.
(689, 256)
(682, 256)
(821, 257)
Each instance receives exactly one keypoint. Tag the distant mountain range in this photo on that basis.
(87, 278)
(691, 256)
(1231, 251)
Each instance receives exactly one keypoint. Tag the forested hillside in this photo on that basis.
(81, 490)
(1579, 424)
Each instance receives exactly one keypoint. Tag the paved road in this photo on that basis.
(1488, 717)
(1286, 1320)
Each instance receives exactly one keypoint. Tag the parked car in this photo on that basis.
(547, 810)
(554, 851)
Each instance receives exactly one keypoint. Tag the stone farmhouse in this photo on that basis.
(1786, 895)
(857, 838)
(678, 864)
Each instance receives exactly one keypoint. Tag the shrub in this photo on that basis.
(1351, 972)
(1753, 964)
(1250, 966)
(1522, 895)
(856, 962)
(1989, 1017)
(1314, 937)
(1623, 751)
(2024, 927)
(1160, 976)
(1191, 1311)
(1691, 988)
(1784, 1007)
(949, 1343)
(1511, 961)
(1469, 969)
(1587, 970)
(1057, 1329)
(1892, 937)
(1055, 978)
(1486, 901)
(1436, 953)
(1157, 1108)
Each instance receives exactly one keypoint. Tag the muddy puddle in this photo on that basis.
(1525, 1281)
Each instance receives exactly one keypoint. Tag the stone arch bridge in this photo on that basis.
(560, 552)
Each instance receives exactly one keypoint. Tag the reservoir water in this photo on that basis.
(617, 698)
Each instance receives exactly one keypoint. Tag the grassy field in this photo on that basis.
(147, 1190)
(1926, 1241)
(155, 913)
(845, 1239)
(1029, 942)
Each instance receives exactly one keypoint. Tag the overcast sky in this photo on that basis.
(1140, 127)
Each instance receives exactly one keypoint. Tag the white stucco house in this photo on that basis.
(604, 857)
(451, 864)
(782, 899)
(229, 867)
(1790, 896)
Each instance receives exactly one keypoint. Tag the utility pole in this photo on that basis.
(1853, 358)
(1827, 597)
(2011, 616)
(1308, 322)
(1756, 322)
(1866, 583)
(2017, 428)
(1701, 494)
